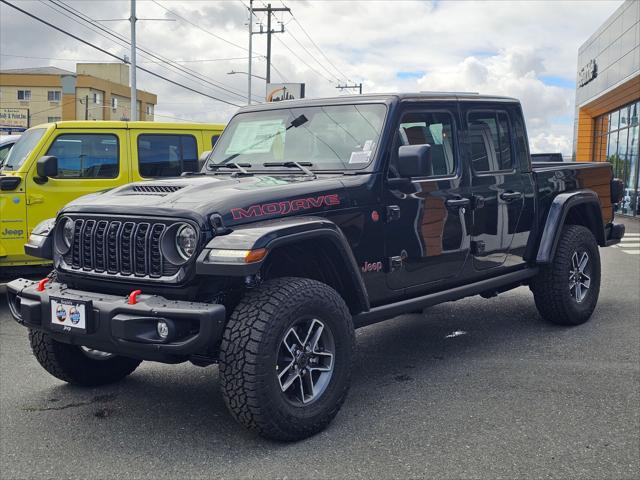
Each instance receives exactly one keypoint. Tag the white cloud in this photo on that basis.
(512, 72)
(503, 48)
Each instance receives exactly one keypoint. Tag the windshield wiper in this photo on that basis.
(237, 166)
(291, 164)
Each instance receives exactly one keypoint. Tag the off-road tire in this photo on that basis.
(550, 287)
(70, 364)
(248, 357)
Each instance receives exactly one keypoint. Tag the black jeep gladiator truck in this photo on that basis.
(309, 219)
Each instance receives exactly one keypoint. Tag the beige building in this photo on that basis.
(95, 91)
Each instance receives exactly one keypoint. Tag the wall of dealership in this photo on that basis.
(608, 99)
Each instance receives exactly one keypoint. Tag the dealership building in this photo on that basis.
(608, 99)
(95, 91)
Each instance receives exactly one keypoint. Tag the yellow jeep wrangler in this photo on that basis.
(55, 163)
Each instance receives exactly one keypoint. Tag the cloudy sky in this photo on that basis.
(523, 49)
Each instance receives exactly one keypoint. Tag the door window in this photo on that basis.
(162, 155)
(214, 140)
(432, 128)
(86, 155)
(490, 141)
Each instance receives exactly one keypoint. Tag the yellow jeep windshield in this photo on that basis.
(23, 148)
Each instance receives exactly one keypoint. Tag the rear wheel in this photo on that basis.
(79, 365)
(566, 291)
(286, 356)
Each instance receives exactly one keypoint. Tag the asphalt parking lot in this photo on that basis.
(472, 389)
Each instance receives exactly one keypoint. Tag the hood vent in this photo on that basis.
(155, 189)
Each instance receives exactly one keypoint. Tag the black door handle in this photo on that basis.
(458, 202)
(511, 196)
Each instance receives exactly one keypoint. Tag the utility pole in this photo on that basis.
(132, 73)
(134, 97)
(86, 107)
(250, 50)
(269, 10)
(345, 86)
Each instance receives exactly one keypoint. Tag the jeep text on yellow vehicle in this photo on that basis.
(55, 163)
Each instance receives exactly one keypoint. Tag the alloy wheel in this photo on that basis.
(579, 275)
(305, 361)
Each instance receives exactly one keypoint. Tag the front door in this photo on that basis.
(427, 239)
(496, 186)
(88, 162)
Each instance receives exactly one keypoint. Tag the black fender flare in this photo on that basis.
(276, 233)
(560, 208)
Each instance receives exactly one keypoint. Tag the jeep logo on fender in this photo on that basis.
(7, 232)
(286, 207)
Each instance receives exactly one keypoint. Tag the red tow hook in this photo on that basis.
(133, 297)
(42, 283)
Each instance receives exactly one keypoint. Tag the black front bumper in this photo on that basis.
(115, 326)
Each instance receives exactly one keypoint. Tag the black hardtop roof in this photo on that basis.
(386, 98)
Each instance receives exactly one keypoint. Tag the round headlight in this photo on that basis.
(67, 232)
(186, 241)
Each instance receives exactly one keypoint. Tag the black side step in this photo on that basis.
(384, 312)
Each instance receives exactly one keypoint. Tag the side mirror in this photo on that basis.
(47, 167)
(414, 161)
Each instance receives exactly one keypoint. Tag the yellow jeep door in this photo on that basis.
(90, 160)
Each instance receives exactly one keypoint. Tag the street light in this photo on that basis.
(233, 72)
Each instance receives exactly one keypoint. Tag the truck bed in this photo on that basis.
(553, 178)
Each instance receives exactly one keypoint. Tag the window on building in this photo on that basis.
(24, 95)
(54, 95)
(490, 141)
(86, 155)
(435, 129)
(53, 119)
(149, 110)
(114, 102)
(97, 98)
(162, 155)
(616, 141)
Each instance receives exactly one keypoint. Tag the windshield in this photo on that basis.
(22, 148)
(338, 137)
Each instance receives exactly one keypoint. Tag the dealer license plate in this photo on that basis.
(68, 315)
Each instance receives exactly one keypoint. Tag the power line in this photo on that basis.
(163, 61)
(313, 57)
(199, 27)
(157, 75)
(156, 114)
(299, 58)
(295, 19)
(199, 60)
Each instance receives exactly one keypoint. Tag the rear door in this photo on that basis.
(89, 160)
(426, 235)
(496, 185)
(158, 154)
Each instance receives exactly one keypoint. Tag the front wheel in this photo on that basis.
(79, 365)
(286, 357)
(566, 291)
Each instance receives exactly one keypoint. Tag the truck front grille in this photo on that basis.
(119, 247)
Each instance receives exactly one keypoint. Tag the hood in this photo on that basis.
(236, 199)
